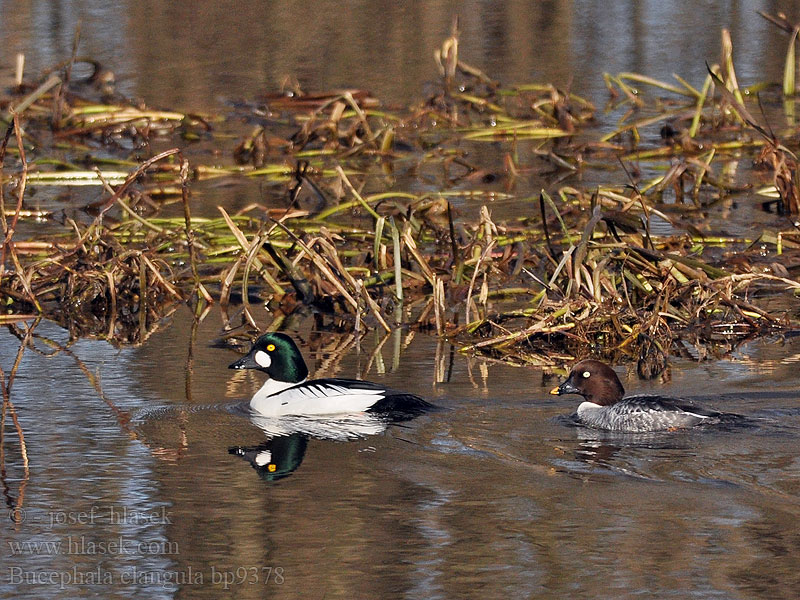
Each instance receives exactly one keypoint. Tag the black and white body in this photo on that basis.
(289, 392)
(604, 405)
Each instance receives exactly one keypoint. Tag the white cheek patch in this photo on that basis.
(263, 359)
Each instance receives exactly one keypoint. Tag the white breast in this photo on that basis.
(269, 388)
(588, 412)
(277, 398)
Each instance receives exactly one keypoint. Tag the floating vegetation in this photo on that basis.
(377, 218)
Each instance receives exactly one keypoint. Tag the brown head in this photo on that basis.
(595, 381)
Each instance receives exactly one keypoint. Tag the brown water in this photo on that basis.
(496, 496)
(189, 56)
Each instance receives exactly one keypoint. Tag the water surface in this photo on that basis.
(150, 489)
(498, 494)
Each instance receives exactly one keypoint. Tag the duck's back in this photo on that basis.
(335, 396)
(644, 413)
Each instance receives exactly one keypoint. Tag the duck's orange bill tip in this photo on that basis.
(555, 391)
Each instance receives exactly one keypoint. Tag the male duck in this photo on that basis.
(288, 392)
(605, 408)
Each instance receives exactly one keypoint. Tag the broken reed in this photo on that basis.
(582, 270)
(504, 288)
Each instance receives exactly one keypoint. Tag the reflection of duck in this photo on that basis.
(276, 458)
(287, 391)
(282, 454)
(605, 408)
(325, 427)
(601, 446)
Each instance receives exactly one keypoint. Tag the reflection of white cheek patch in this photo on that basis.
(263, 359)
(263, 458)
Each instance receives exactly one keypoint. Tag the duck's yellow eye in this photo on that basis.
(272, 467)
(586, 374)
(270, 347)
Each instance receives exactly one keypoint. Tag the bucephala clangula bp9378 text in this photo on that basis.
(289, 392)
(605, 408)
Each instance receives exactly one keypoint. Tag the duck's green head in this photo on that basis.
(277, 355)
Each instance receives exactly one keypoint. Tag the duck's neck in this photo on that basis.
(605, 392)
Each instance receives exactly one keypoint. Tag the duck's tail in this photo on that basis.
(402, 407)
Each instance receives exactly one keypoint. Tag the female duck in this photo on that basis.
(604, 407)
(288, 391)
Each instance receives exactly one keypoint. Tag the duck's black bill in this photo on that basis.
(246, 362)
(565, 388)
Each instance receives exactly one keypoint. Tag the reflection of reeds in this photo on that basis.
(8, 408)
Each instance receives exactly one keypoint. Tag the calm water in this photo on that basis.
(495, 496)
(190, 56)
(149, 490)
